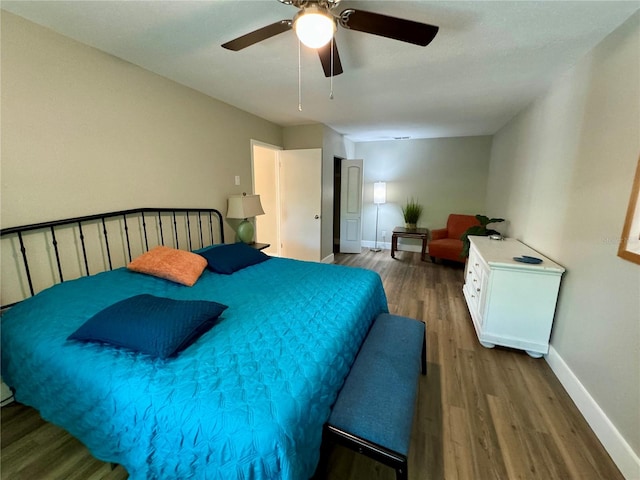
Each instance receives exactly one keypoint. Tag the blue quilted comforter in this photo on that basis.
(247, 400)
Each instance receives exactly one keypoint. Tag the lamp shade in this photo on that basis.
(379, 192)
(314, 26)
(244, 206)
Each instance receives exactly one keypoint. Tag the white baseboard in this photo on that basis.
(382, 245)
(614, 443)
(328, 259)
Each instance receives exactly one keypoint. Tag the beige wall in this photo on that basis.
(446, 175)
(561, 173)
(85, 132)
(303, 136)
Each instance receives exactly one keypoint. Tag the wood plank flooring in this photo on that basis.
(481, 414)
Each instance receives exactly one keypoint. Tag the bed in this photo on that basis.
(247, 399)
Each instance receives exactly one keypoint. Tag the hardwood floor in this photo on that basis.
(481, 414)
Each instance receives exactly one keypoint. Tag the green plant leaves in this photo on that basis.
(479, 230)
(411, 211)
(484, 220)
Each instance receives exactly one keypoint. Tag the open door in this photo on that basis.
(351, 206)
(289, 183)
(300, 203)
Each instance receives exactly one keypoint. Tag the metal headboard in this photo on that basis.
(132, 231)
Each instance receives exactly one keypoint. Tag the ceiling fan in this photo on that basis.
(315, 26)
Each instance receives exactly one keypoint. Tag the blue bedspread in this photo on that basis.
(247, 400)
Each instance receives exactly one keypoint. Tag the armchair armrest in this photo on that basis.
(439, 233)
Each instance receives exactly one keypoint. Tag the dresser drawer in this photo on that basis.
(475, 284)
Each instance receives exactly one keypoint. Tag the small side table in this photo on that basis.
(259, 246)
(418, 233)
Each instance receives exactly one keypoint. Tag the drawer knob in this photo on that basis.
(477, 290)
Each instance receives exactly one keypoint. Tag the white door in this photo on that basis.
(351, 206)
(300, 203)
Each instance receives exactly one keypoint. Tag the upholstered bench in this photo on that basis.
(373, 414)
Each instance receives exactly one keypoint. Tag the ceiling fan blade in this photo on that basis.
(391, 27)
(258, 35)
(325, 58)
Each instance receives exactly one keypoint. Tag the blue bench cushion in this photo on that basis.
(382, 384)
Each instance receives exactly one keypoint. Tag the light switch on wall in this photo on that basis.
(237, 179)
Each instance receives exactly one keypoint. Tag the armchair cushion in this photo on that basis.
(458, 224)
(446, 243)
(439, 233)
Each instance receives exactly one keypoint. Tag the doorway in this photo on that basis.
(290, 181)
(264, 163)
(337, 188)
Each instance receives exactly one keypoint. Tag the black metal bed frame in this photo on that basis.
(211, 217)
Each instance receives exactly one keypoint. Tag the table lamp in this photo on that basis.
(242, 207)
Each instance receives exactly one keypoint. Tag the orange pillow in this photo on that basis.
(178, 266)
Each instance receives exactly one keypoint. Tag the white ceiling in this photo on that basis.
(488, 61)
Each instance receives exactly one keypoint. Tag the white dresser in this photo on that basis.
(511, 303)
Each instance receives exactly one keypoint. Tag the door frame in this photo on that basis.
(337, 190)
(276, 248)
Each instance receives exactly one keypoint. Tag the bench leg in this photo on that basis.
(424, 351)
(401, 472)
(323, 463)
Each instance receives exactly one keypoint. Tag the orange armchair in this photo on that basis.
(445, 242)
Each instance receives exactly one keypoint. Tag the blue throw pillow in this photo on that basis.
(232, 257)
(158, 326)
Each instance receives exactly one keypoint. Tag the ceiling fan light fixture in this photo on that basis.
(314, 26)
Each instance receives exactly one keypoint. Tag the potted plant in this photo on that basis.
(411, 212)
(480, 230)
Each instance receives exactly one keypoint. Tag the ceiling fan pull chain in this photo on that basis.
(299, 79)
(331, 80)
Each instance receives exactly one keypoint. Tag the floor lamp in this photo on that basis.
(379, 197)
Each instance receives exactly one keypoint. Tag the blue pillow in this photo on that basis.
(158, 326)
(232, 257)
